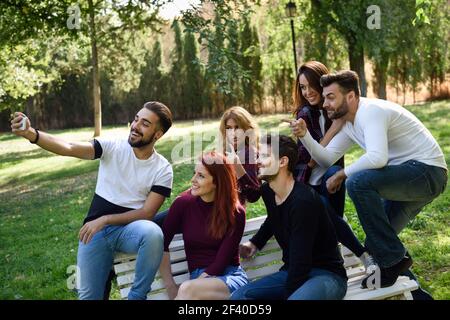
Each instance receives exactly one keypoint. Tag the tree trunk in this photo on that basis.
(274, 103)
(396, 91)
(404, 92)
(380, 70)
(95, 73)
(356, 57)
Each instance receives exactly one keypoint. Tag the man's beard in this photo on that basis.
(141, 143)
(267, 177)
(340, 112)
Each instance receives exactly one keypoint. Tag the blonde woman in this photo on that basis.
(240, 137)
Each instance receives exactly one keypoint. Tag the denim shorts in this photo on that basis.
(233, 276)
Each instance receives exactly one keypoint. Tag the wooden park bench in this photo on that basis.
(267, 261)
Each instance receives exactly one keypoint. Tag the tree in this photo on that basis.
(192, 86)
(151, 83)
(107, 21)
(434, 23)
(235, 52)
(176, 72)
(277, 60)
(213, 70)
(247, 50)
(217, 30)
(257, 77)
(350, 21)
(396, 36)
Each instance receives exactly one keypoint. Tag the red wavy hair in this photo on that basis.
(226, 197)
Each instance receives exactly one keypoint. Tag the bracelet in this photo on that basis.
(37, 137)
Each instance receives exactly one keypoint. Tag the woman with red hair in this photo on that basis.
(212, 220)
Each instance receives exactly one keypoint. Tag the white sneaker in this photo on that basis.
(368, 262)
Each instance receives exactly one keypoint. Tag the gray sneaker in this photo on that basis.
(368, 262)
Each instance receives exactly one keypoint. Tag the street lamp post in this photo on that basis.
(291, 10)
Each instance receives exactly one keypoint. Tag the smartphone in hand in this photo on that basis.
(23, 123)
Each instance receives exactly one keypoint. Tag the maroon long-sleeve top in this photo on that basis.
(189, 215)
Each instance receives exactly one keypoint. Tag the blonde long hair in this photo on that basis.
(245, 122)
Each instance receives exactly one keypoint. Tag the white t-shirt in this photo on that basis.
(322, 122)
(125, 180)
(389, 134)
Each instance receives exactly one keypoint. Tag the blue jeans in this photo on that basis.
(233, 276)
(321, 285)
(335, 202)
(386, 199)
(95, 259)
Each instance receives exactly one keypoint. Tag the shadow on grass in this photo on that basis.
(36, 178)
(7, 137)
(14, 158)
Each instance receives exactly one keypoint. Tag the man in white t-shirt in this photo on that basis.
(403, 168)
(133, 182)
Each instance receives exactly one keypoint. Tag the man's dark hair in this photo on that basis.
(348, 80)
(163, 112)
(287, 148)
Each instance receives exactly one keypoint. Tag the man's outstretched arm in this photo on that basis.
(81, 150)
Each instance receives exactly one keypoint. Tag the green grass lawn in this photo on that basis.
(44, 198)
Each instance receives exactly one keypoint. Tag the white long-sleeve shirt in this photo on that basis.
(389, 134)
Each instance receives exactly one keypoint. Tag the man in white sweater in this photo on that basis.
(403, 168)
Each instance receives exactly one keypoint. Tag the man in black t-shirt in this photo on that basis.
(313, 266)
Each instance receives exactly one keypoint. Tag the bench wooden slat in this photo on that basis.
(403, 284)
(122, 256)
(262, 260)
(346, 251)
(264, 271)
(176, 245)
(159, 284)
(158, 296)
(351, 261)
(125, 267)
(179, 267)
(355, 272)
(253, 224)
(271, 245)
(125, 279)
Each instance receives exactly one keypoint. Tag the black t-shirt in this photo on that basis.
(304, 232)
(100, 207)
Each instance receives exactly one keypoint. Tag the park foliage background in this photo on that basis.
(77, 63)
